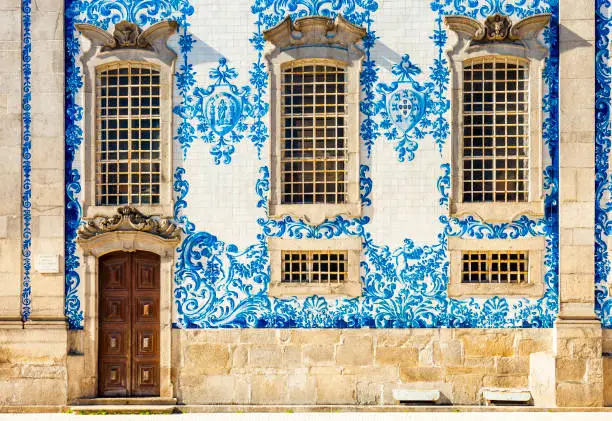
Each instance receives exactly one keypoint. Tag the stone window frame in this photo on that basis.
(351, 287)
(315, 37)
(534, 246)
(128, 43)
(288, 68)
(519, 40)
(133, 68)
(128, 231)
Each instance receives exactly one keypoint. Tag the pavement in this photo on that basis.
(345, 416)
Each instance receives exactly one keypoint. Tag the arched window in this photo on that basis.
(314, 106)
(497, 154)
(127, 159)
(314, 110)
(314, 135)
(128, 135)
(495, 129)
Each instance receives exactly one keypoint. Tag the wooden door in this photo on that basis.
(128, 354)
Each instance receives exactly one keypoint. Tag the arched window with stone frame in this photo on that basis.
(497, 152)
(496, 118)
(127, 159)
(315, 67)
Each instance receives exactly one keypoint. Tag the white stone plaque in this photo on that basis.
(47, 263)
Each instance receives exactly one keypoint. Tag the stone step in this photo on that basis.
(122, 409)
(412, 396)
(507, 397)
(126, 401)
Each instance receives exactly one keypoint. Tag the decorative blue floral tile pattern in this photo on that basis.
(603, 178)
(219, 285)
(221, 111)
(403, 106)
(26, 158)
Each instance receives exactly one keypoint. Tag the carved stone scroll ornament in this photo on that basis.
(128, 35)
(498, 28)
(129, 218)
(314, 30)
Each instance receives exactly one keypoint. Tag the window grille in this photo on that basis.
(314, 132)
(495, 129)
(128, 148)
(315, 267)
(503, 267)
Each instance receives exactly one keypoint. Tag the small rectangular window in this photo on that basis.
(314, 138)
(128, 132)
(495, 267)
(314, 267)
(495, 129)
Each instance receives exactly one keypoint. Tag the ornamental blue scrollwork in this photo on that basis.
(222, 110)
(74, 136)
(365, 185)
(181, 187)
(142, 12)
(603, 146)
(470, 227)
(354, 10)
(403, 107)
(443, 185)
(484, 8)
(26, 159)
(72, 307)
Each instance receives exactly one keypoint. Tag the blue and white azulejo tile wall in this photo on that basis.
(222, 169)
(603, 175)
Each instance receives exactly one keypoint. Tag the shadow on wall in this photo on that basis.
(384, 56)
(201, 51)
(571, 40)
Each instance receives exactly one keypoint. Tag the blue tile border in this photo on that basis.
(603, 143)
(26, 163)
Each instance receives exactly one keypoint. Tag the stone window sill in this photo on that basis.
(460, 290)
(110, 210)
(315, 213)
(497, 211)
(331, 291)
(535, 246)
(351, 287)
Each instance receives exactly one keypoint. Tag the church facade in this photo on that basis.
(275, 202)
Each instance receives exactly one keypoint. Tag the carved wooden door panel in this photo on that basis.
(128, 355)
(145, 324)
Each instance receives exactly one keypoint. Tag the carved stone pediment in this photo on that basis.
(498, 28)
(128, 35)
(129, 218)
(314, 30)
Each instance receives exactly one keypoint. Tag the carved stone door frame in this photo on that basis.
(160, 241)
(128, 348)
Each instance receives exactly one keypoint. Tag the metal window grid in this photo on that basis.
(495, 129)
(495, 267)
(128, 146)
(313, 132)
(315, 267)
